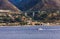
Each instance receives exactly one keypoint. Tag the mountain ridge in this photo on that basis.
(45, 6)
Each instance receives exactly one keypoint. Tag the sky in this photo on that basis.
(24, 4)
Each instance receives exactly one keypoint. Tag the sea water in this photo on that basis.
(30, 32)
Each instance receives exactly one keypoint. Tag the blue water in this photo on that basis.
(30, 32)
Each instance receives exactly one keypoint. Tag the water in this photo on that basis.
(30, 32)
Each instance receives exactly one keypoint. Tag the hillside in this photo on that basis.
(36, 4)
(37, 12)
(50, 6)
(46, 5)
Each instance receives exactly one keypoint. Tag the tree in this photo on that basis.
(18, 19)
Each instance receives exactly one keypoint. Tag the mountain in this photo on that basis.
(34, 5)
(46, 5)
(6, 5)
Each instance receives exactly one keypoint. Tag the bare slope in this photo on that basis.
(6, 5)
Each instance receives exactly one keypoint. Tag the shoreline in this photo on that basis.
(41, 24)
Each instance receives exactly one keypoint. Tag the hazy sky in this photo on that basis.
(24, 4)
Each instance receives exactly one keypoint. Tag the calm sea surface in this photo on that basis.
(30, 32)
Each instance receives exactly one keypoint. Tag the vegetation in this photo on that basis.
(38, 16)
(47, 16)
